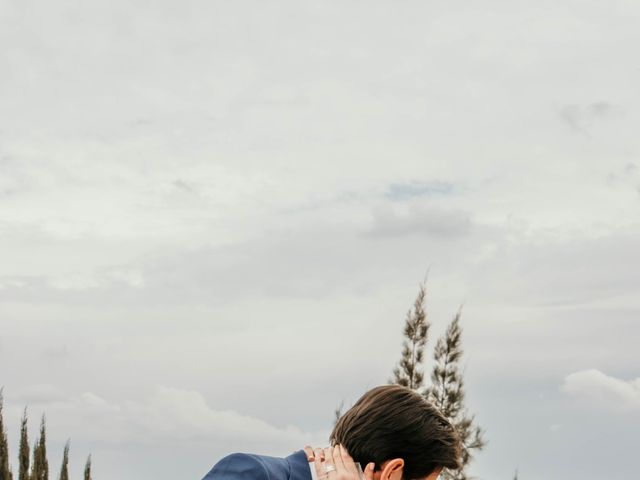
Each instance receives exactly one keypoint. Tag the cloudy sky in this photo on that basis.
(214, 216)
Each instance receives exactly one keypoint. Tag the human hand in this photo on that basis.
(335, 463)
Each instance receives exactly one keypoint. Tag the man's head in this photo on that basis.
(398, 430)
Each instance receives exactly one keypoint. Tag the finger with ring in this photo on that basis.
(329, 464)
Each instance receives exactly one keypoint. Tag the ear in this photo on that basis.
(392, 469)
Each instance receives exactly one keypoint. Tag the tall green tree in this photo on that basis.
(39, 465)
(23, 453)
(446, 389)
(408, 372)
(40, 468)
(64, 470)
(35, 461)
(447, 392)
(43, 449)
(87, 469)
(5, 468)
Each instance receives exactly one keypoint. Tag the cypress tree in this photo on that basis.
(43, 450)
(5, 469)
(64, 470)
(416, 328)
(40, 469)
(87, 469)
(447, 393)
(23, 454)
(35, 461)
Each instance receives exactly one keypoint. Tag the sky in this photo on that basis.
(214, 217)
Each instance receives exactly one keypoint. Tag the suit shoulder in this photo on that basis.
(238, 466)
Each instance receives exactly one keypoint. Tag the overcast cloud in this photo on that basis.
(214, 216)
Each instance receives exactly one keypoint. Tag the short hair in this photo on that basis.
(392, 421)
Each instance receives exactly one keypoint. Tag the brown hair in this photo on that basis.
(395, 422)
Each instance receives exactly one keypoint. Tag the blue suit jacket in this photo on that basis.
(258, 467)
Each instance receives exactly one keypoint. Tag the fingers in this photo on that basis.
(328, 456)
(354, 469)
(347, 461)
(337, 458)
(335, 463)
(332, 464)
(309, 452)
(318, 463)
(318, 453)
(368, 471)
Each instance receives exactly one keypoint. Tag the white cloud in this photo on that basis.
(606, 390)
(168, 413)
(184, 414)
(183, 185)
